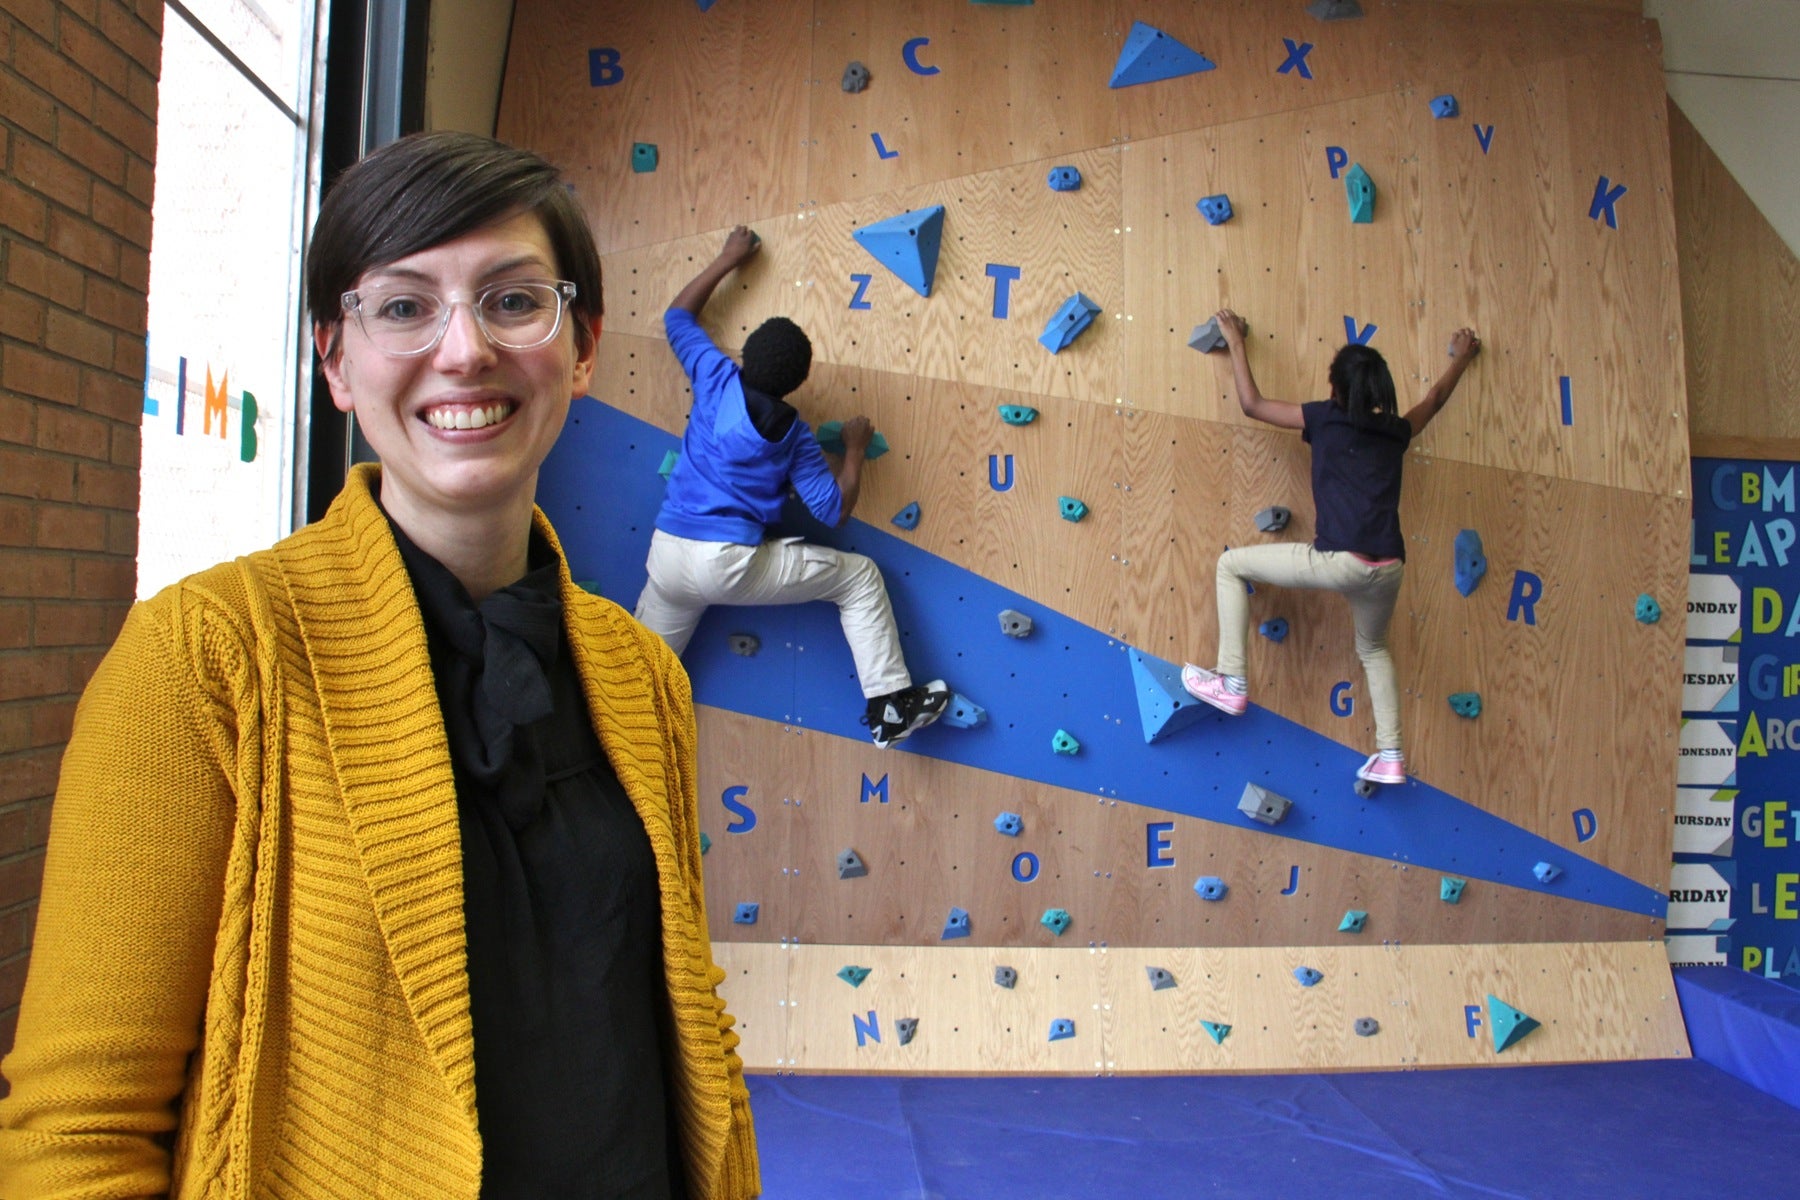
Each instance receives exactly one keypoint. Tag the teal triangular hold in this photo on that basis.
(670, 458)
(1150, 55)
(1508, 1023)
(854, 975)
(1353, 921)
(907, 245)
(1164, 705)
(1216, 1030)
(1359, 190)
(830, 437)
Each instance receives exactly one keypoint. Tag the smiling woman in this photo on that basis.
(403, 895)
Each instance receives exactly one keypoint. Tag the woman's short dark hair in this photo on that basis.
(430, 188)
(1362, 383)
(777, 357)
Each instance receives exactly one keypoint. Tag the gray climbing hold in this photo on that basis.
(856, 77)
(1335, 10)
(1005, 977)
(1206, 337)
(851, 866)
(745, 644)
(1273, 519)
(1260, 804)
(905, 1027)
(1367, 1027)
(1160, 978)
(1014, 623)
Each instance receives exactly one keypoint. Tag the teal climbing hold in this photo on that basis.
(1507, 1023)
(962, 713)
(1056, 920)
(830, 437)
(907, 245)
(1018, 414)
(1466, 704)
(1071, 508)
(1359, 189)
(1450, 888)
(1353, 921)
(1216, 1030)
(1150, 55)
(1648, 610)
(1065, 743)
(705, 843)
(670, 458)
(853, 975)
(643, 157)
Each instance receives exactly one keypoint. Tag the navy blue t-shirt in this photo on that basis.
(1356, 479)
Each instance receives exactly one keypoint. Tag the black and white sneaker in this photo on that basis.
(897, 715)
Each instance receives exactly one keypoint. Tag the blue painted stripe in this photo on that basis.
(601, 488)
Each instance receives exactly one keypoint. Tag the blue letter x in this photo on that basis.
(1296, 59)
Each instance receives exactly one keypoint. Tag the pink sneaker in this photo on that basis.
(1209, 687)
(1377, 771)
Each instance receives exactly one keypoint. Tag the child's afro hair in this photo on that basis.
(777, 357)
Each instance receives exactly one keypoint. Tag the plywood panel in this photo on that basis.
(1740, 300)
(931, 846)
(1596, 1002)
(724, 95)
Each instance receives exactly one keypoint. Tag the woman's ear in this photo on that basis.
(328, 341)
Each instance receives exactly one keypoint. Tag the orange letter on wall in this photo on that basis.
(215, 401)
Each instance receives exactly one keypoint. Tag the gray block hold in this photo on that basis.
(1273, 519)
(851, 866)
(1260, 804)
(745, 644)
(1160, 978)
(1335, 10)
(1005, 977)
(856, 77)
(1014, 623)
(905, 1028)
(1367, 1027)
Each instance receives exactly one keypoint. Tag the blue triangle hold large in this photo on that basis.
(1150, 55)
(907, 245)
(1163, 704)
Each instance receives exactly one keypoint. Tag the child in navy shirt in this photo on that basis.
(1359, 445)
(744, 449)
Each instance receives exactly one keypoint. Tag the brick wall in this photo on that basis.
(78, 86)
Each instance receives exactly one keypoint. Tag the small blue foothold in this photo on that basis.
(1471, 563)
(1450, 888)
(670, 458)
(1210, 887)
(1648, 610)
(1011, 824)
(643, 157)
(1546, 872)
(1216, 209)
(1061, 1028)
(1275, 629)
(1308, 975)
(1466, 704)
(908, 517)
(1056, 920)
(1065, 179)
(1071, 508)
(1066, 324)
(962, 713)
(1359, 189)
(1444, 106)
(1065, 743)
(854, 975)
(1353, 921)
(746, 913)
(957, 925)
(1018, 414)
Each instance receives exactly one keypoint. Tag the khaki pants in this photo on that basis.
(1371, 591)
(687, 576)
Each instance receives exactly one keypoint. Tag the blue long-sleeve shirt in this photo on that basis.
(730, 481)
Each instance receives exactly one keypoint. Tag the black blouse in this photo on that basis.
(560, 904)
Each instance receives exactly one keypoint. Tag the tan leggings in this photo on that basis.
(1371, 591)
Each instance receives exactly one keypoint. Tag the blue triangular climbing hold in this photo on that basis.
(1507, 1022)
(1151, 55)
(907, 245)
(1163, 704)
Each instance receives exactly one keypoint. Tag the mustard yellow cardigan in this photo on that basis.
(249, 974)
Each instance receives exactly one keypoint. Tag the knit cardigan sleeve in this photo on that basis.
(142, 836)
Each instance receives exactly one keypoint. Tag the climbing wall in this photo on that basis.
(1066, 882)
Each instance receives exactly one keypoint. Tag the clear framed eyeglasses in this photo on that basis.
(404, 321)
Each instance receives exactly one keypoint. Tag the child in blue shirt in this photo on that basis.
(744, 449)
(1358, 442)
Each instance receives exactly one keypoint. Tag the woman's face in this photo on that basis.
(421, 413)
